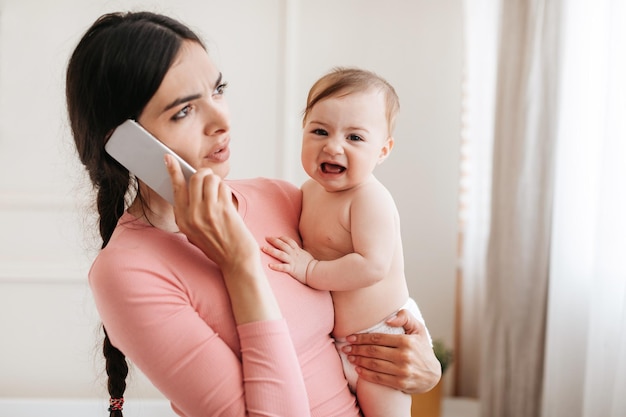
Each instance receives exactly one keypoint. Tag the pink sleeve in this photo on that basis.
(149, 317)
(271, 370)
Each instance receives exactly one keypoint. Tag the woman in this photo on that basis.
(183, 291)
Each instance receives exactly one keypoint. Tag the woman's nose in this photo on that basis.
(217, 119)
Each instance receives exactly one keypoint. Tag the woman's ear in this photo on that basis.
(386, 149)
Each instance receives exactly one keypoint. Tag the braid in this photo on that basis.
(113, 186)
(117, 369)
(114, 71)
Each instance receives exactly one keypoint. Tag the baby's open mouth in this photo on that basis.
(328, 168)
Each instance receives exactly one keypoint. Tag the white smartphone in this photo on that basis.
(142, 154)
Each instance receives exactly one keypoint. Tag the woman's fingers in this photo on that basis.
(401, 361)
(203, 188)
(407, 321)
(371, 342)
(383, 364)
(380, 372)
(179, 185)
(225, 194)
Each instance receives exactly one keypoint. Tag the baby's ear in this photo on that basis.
(386, 149)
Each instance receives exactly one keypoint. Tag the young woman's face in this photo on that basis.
(344, 139)
(189, 113)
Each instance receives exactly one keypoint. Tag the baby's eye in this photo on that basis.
(355, 138)
(182, 113)
(220, 88)
(320, 132)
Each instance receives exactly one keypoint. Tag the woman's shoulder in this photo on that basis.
(132, 248)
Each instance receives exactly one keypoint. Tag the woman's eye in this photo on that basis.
(355, 138)
(320, 132)
(182, 113)
(220, 88)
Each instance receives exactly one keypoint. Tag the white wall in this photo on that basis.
(270, 52)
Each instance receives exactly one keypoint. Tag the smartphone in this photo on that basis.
(142, 154)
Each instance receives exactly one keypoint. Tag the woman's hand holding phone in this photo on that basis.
(206, 214)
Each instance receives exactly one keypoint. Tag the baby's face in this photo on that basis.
(344, 138)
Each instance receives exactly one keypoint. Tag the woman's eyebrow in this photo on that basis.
(190, 97)
(181, 100)
(218, 81)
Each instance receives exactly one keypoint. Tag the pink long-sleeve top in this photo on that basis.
(164, 304)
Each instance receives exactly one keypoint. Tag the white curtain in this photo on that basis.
(585, 372)
(481, 42)
(510, 109)
(544, 249)
(516, 279)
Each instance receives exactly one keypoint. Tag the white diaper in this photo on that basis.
(381, 327)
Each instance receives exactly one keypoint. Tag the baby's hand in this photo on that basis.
(294, 260)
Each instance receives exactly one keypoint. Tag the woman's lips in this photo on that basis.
(221, 154)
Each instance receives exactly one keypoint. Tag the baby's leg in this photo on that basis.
(380, 401)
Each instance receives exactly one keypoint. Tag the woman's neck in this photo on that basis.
(154, 210)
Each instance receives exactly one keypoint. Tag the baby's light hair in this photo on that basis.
(343, 81)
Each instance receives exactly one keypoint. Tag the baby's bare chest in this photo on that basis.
(325, 228)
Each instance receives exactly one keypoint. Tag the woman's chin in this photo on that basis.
(222, 169)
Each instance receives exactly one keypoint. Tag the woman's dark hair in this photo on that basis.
(114, 71)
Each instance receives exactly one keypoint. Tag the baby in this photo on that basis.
(349, 224)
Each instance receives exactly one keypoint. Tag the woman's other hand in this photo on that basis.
(405, 362)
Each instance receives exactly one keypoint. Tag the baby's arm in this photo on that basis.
(375, 236)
